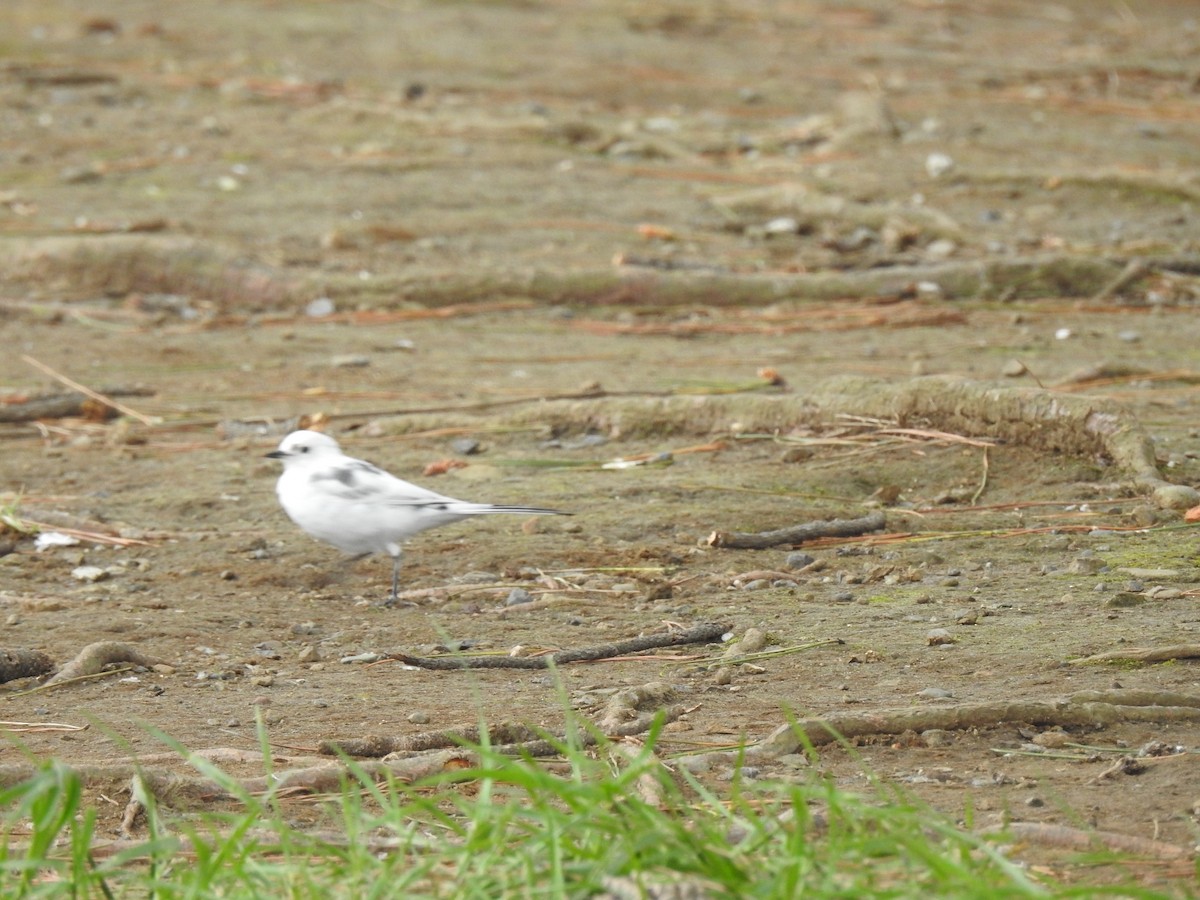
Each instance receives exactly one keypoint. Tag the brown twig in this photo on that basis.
(797, 534)
(701, 634)
(95, 395)
(60, 406)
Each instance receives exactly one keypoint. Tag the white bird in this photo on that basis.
(358, 507)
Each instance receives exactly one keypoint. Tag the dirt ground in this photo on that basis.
(419, 218)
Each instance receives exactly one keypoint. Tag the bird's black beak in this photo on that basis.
(274, 454)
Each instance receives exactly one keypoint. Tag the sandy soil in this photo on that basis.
(503, 202)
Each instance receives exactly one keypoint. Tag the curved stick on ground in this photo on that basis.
(1076, 839)
(1147, 655)
(701, 634)
(797, 534)
(374, 745)
(93, 658)
(1043, 420)
(1082, 708)
(16, 664)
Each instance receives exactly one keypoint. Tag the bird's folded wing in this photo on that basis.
(361, 481)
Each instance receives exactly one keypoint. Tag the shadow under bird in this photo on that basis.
(358, 507)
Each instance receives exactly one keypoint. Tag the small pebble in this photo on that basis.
(1087, 565)
(418, 717)
(798, 560)
(938, 637)
(308, 654)
(464, 446)
(350, 361)
(935, 693)
(843, 597)
(322, 306)
(938, 164)
(89, 574)
(782, 225)
(361, 658)
(517, 596)
(937, 737)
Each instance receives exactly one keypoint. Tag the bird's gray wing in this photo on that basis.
(357, 480)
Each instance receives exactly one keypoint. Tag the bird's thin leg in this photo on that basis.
(395, 576)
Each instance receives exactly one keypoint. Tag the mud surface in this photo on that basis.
(502, 202)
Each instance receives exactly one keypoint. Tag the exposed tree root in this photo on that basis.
(119, 264)
(93, 658)
(1149, 655)
(1082, 708)
(701, 634)
(1009, 278)
(629, 712)
(16, 664)
(1064, 837)
(797, 534)
(381, 745)
(1042, 420)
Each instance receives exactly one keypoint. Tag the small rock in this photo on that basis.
(1052, 739)
(322, 306)
(1124, 600)
(938, 164)
(935, 693)
(418, 717)
(464, 446)
(1014, 368)
(89, 574)
(263, 680)
(1161, 592)
(350, 361)
(798, 560)
(939, 250)
(938, 637)
(229, 575)
(163, 669)
(843, 597)
(308, 654)
(1087, 565)
(724, 675)
(937, 737)
(756, 585)
(782, 225)
(361, 658)
(517, 596)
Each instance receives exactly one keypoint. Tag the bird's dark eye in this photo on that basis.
(303, 449)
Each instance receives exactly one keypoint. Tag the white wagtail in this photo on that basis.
(358, 507)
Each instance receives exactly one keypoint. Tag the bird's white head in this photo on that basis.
(304, 445)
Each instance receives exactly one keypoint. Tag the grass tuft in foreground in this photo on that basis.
(506, 828)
